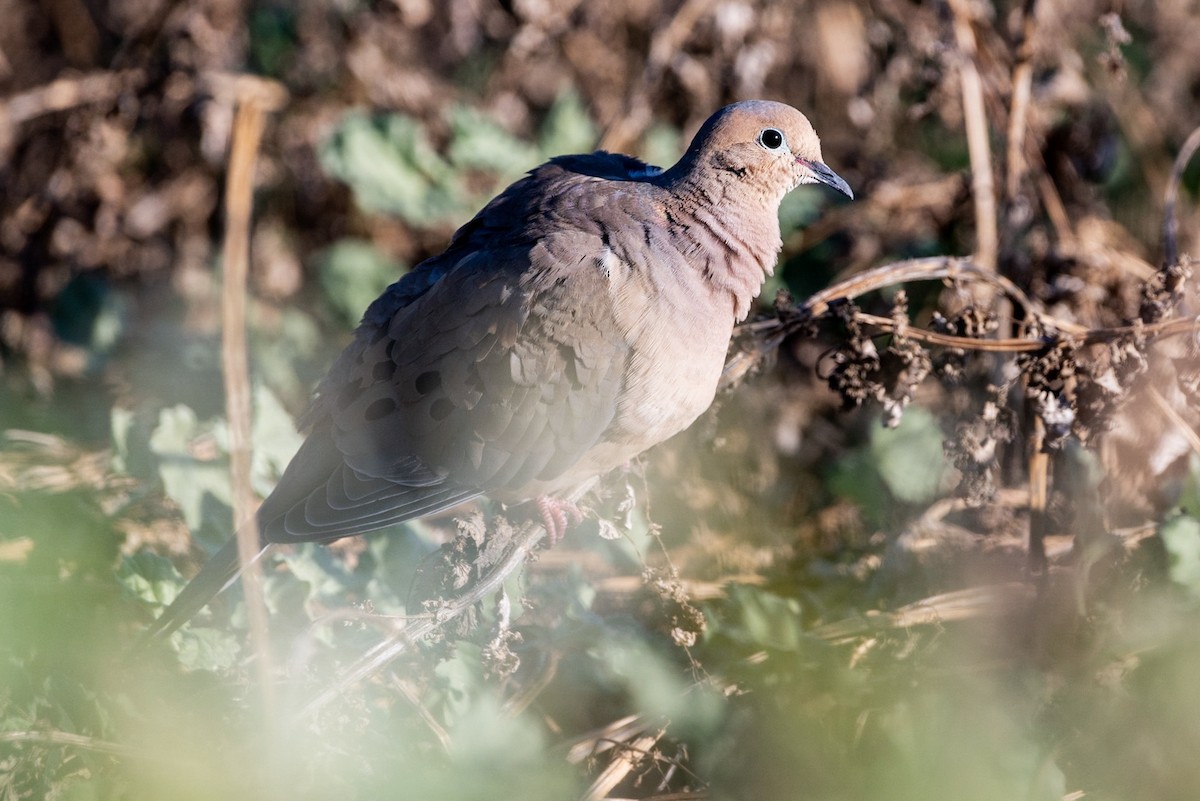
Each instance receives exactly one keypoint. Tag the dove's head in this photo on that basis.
(762, 143)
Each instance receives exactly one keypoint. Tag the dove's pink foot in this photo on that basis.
(557, 516)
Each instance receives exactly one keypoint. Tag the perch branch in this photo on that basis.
(418, 627)
(770, 333)
(1080, 337)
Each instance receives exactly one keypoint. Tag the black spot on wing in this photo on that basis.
(379, 408)
(428, 381)
(440, 409)
(383, 371)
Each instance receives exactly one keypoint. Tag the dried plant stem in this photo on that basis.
(982, 182)
(1022, 81)
(247, 135)
(1052, 203)
(1170, 222)
(414, 698)
(991, 600)
(53, 737)
(523, 698)
(1039, 487)
(1018, 115)
(606, 737)
(1171, 414)
(770, 333)
(628, 757)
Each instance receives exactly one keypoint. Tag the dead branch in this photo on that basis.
(67, 93)
(768, 334)
(62, 94)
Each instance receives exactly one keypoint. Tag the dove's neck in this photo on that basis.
(732, 230)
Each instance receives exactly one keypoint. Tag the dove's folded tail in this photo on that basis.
(221, 570)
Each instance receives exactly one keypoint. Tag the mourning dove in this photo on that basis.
(580, 318)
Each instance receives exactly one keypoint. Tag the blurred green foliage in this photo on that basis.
(1181, 538)
(1014, 704)
(353, 272)
(393, 168)
(897, 466)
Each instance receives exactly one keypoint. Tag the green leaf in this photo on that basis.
(457, 681)
(353, 272)
(273, 438)
(909, 457)
(391, 167)
(856, 477)
(1181, 538)
(295, 351)
(121, 424)
(150, 577)
(800, 208)
(567, 128)
(81, 789)
(272, 38)
(201, 648)
(762, 619)
(480, 144)
(1189, 493)
(661, 146)
(199, 486)
(486, 735)
(660, 689)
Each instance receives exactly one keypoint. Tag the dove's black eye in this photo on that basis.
(770, 138)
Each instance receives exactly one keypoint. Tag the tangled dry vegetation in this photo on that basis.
(1009, 293)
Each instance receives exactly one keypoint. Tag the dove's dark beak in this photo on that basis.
(828, 177)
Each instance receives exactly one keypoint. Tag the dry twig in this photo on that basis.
(239, 192)
(982, 181)
(62, 94)
(1022, 82)
(66, 738)
(628, 757)
(1170, 221)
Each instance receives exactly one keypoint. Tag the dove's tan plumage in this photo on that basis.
(580, 318)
